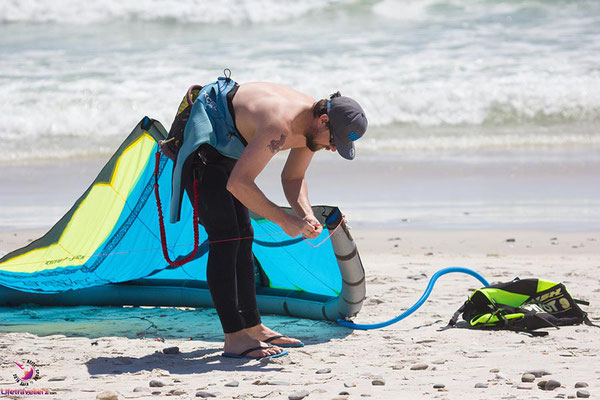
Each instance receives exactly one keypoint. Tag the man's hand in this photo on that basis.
(294, 226)
(318, 228)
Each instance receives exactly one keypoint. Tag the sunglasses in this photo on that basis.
(331, 141)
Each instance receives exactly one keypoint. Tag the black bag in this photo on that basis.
(522, 305)
(175, 138)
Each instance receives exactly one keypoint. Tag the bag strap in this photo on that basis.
(454, 319)
(189, 93)
(587, 322)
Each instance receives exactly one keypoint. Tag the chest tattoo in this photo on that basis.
(276, 145)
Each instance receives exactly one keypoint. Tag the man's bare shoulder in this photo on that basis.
(267, 104)
(262, 96)
(272, 89)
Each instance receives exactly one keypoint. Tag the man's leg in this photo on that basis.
(246, 284)
(217, 211)
(245, 273)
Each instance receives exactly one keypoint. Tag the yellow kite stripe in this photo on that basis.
(94, 219)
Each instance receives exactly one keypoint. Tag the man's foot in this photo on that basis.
(264, 334)
(238, 343)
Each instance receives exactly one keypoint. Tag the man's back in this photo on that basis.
(261, 104)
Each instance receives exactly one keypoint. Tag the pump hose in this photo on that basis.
(419, 303)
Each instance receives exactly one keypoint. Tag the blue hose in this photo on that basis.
(350, 324)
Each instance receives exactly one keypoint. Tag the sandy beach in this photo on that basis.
(79, 357)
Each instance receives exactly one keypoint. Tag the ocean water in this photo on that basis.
(434, 76)
(483, 113)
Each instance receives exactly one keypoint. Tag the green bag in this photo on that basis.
(522, 305)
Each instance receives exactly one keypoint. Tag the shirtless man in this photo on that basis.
(266, 118)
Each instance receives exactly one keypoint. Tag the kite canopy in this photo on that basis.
(107, 250)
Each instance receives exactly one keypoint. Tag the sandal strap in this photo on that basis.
(250, 350)
(269, 340)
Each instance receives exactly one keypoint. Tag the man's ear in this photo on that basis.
(324, 118)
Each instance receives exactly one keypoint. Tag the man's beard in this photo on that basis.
(310, 135)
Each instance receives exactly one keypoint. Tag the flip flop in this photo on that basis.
(244, 354)
(288, 345)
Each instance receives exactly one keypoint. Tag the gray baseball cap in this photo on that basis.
(348, 123)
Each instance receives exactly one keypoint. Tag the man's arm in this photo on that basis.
(266, 143)
(294, 185)
(293, 182)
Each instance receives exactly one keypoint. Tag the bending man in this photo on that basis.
(228, 140)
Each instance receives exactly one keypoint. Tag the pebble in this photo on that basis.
(583, 393)
(551, 385)
(528, 378)
(205, 395)
(349, 384)
(439, 386)
(581, 385)
(57, 378)
(324, 371)
(177, 392)
(419, 367)
(378, 382)
(417, 277)
(524, 386)
(501, 376)
(141, 389)
(344, 393)
(538, 373)
(495, 370)
(481, 386)
(232, 384)
(171, 350)
(298, 395)
(279, 383)
(154, 383)
(107, 395)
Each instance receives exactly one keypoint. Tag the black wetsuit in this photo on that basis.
(230, 268)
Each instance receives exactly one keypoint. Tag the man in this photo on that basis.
(251, 123)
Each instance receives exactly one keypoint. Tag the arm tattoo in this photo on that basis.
(276, 145)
